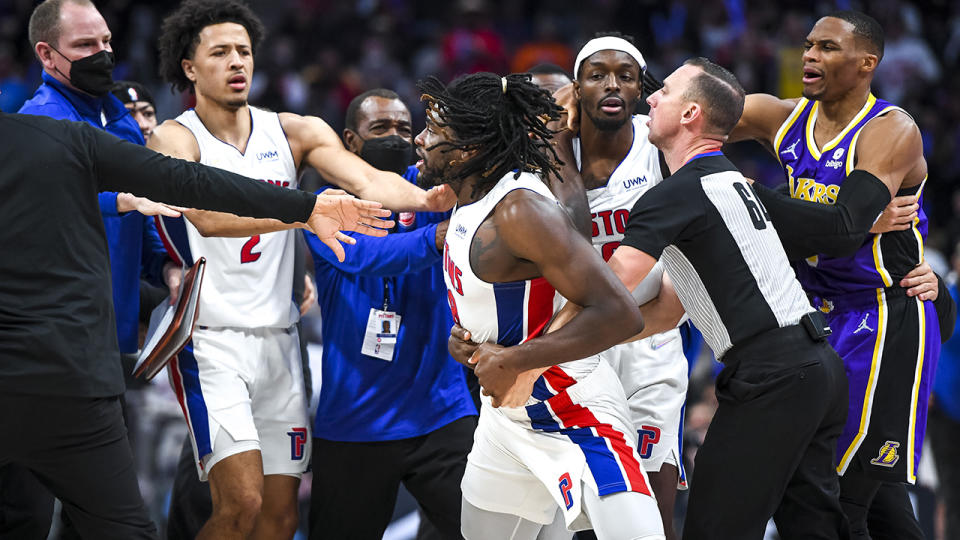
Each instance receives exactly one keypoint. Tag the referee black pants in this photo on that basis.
(355, 484)
(770, 450)
(77, 448)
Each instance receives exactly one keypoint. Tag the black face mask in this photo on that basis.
(91, 74)
(392, 153)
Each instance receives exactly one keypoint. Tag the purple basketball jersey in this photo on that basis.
(816, 174)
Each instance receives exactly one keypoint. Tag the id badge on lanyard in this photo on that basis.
(383, 325)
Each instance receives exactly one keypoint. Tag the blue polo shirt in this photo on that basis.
(132, 237)
(363, 398)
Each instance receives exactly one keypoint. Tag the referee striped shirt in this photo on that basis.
(719, 247)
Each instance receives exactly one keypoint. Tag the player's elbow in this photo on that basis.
(631, 321)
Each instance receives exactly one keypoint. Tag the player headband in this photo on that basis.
(608, 43)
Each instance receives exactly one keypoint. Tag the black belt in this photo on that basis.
(812, 327)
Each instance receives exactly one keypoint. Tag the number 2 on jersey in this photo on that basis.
(758, 214)
(247, 255)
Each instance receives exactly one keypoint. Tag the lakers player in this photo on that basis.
(240, 383)
(846, 153)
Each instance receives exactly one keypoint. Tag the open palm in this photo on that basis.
(336, 211)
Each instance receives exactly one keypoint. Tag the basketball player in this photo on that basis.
(618, 165)
(846, 153)
(251, 444)
(509, 246)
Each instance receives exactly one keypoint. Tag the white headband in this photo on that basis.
(608, 43)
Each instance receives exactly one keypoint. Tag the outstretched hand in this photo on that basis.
(336, 211)
(128, 202)
(440, 198)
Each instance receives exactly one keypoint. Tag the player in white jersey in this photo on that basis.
(618, 165)
(510, 248)
(240, 384)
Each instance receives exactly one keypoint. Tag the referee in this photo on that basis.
(782, 393)
(60, 374)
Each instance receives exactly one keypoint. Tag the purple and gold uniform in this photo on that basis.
(889, 342)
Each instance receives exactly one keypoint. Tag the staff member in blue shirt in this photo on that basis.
(394, 407)
(72, 41)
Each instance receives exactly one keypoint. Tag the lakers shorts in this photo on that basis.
(889, 344)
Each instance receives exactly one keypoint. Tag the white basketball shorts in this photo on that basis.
(242, 389)
(653, 372)
(527, 461)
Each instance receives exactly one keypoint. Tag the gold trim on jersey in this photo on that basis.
(853, 143)
(917, 376)
(878, 262)
(871, 383)
(916, 221)
(812, 121)
(786, 125)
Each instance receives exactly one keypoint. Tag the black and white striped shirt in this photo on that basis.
(719, 247)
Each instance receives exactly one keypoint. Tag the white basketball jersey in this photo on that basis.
(503, 313)
(639, 364)
(248, 281)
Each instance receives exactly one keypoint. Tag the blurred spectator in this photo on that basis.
(944, 416)
(546, 47)
(550, 77)
(472, 44)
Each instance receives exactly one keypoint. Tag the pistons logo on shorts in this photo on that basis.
(406, 219)
(566, 484)
(649, 436)
(298, 439)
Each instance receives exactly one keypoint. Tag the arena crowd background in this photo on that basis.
(319, 54)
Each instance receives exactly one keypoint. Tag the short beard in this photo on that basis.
(430, 177)
(607, 124)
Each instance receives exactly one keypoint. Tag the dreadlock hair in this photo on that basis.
(180, 33)
(503, 119)
(648, 83)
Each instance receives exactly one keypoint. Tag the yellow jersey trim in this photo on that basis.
(871, 383)
(812, 121)
(917, 376)
(787, 124)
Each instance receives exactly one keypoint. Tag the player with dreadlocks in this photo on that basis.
(510, 248)
(618, 164)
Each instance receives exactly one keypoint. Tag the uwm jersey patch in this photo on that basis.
(249, 281)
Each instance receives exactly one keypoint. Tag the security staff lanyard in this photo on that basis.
(380, 337)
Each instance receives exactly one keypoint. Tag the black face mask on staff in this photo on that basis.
(91, 74)
(392, 153)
